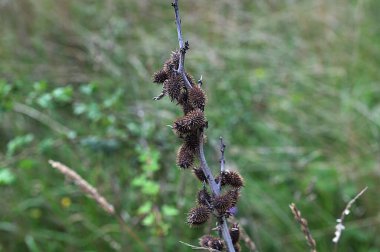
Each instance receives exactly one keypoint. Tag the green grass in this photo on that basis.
(293, 87)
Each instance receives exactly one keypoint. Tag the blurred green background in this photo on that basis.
(293, 87)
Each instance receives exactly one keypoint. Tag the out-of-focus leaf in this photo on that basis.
(45, 145)
(27, 163)
(18, 143)
(88, 89)
(145, 208)
(139, 181)
(148, 220)
(151, 188)
(79, 108)
(31, 243)
(8, 227)
(169, 211)
(40, 86)
(6, 176)
(45, 100)
(63, 94)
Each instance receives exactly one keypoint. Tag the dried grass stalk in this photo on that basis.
(304, 227)
(340, 227)
(84, 186)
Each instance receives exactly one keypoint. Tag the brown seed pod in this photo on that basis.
(197, 98)
(198, 215)
(187, 108)
(233, 195)
(184, 102)
(222, 203)
(204, 198)
(235, 233)
(205, 240)
(160, 76)
(192, 141)
(190, 122)
(185, 157)
(231, 178)
(173, 87)
(208, 241)
(198, 172)
(172, 63)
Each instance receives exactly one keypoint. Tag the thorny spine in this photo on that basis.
(182, 89)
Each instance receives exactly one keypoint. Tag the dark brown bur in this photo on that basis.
(234, 195)
(204, 198)
(173, 87)
(192, 141)
(198, 215)
(160, 76)
(185, 157)
(172, 63)
(191, 122)
(208, 241)
(231, 178)
(222, 203)
(197, 98)
(198, 172)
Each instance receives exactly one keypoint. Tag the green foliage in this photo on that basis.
(18, 143)
(6, 176)
(293, 87)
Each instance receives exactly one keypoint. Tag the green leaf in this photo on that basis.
(169, 211)
(18, 143)
(139, 181)
(31, 244)
(146, 208)
(87, 89)
(93, 112)
(6, 176)
(148, 220)
(45, 145)
(5, 97)
(63, 94)
(80, 108)
(27, 164)
(150, 188)
(45, 100)
(40, 86)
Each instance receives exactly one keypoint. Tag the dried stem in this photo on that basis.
(216, 191)
(42, 118)
(211, 181)
(304, 227)
(198, 248)
(91, 191)
(340, 227)
(222, 160)
(183, 47)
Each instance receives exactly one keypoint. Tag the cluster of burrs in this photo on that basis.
(192, 99)
(189, 128)
(223, 205)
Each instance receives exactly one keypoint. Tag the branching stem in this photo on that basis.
(183, 47)
(216, 191)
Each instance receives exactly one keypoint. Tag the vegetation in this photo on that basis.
(293, 87)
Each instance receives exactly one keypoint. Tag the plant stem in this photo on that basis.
(183, 47)
(216, 191)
